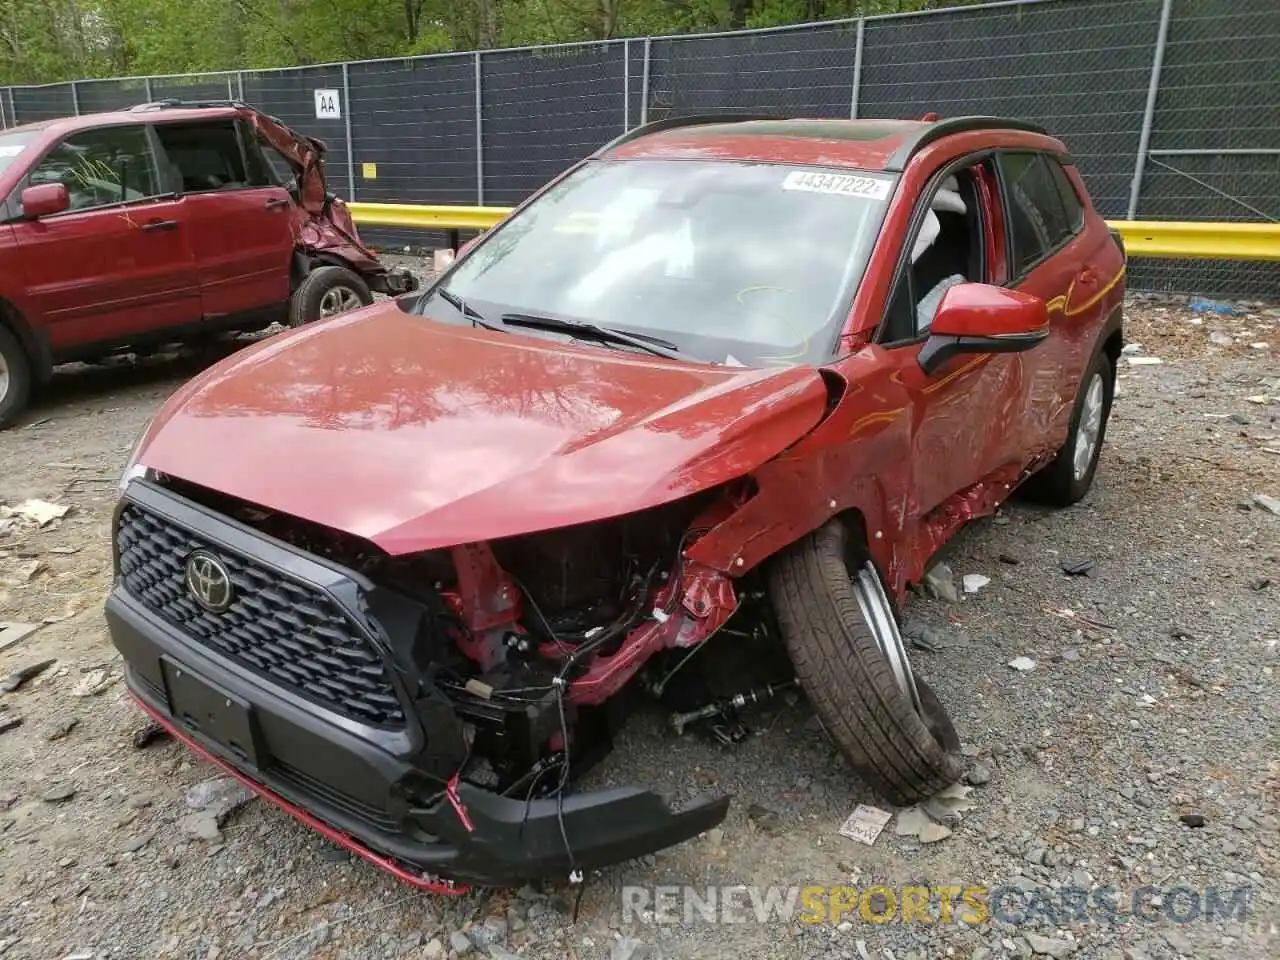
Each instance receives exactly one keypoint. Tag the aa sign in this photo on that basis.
(328, 105)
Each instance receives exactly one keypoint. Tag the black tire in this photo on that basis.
(904, 756)
(15, 378)
(1058, 484)
(305, 305)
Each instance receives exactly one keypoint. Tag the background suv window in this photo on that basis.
(203, 156)
(100, 167)
(1037, 216)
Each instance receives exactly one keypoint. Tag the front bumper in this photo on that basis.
(359, 784)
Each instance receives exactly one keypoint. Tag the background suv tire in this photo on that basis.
(327, 292)
(15, 378)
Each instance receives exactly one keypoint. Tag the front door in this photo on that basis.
(117, 263)
(961, 414)
(241, 224)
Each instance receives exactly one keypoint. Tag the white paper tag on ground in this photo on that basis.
(865, 824)
(842, 184)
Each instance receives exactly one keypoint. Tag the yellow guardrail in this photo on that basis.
(1215, 241)
(1142, 238)
(426, 217)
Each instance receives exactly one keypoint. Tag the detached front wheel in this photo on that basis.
(327, 292)
(841, 631)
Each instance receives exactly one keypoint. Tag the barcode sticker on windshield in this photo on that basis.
(843, 184)
(11, 150)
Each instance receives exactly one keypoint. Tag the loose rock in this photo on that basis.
(148, 734)
(202, 826)
(940, 582)
(219, 797)
(16, 679)
(1268, 503)
(58, 794)
(60, 729)
(1049, 947)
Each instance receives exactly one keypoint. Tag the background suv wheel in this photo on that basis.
(326, 292)
(15, 378)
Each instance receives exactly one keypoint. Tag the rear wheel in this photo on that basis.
(1070, 476)
(15, 378)
(841, 631)
(327, 292)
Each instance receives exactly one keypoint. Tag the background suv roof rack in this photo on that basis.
(672, 123)
(944, 128)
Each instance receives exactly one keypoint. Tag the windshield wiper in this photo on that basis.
(581, 328)
(468, 311)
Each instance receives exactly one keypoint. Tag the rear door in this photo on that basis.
(1047, 260)
(241, 222)
(116, 264)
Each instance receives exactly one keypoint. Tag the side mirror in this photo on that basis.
(44, 200)
(980, 318)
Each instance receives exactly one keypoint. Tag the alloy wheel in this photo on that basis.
(878, 613)
(338, 300)
(1089, 429)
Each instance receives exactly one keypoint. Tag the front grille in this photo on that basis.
(289, 632)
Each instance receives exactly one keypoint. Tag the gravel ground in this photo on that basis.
(1153, 697)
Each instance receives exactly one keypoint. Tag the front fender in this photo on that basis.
(855, 462)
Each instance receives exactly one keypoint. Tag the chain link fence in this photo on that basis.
(1171, 108)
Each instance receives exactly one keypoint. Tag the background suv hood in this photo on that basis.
(414, 434)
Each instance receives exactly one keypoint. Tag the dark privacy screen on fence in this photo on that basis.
(493, 127)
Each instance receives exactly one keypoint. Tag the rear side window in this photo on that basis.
(1067, 191)
(1038, 218)
(100, 167)
(204, 156)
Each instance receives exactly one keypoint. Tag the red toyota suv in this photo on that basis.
(723, 387)
(162, 223)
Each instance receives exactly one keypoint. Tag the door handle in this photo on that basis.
(1088, 275)
(152, 225)
(275, 203)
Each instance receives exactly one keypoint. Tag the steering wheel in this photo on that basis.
(784, 321)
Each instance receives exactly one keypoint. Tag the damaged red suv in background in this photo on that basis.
(166, 222)
(724, 386)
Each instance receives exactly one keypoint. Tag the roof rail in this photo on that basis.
(943, 128)
(172, 102)
(672, 123)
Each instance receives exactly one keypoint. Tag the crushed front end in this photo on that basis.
(429, 712)
(324, 230)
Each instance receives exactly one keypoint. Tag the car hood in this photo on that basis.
(414, 434)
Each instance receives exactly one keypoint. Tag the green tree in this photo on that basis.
(43, 41)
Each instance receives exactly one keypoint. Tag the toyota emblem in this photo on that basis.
(209, 582)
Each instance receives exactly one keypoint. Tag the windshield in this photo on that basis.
(12, 144)
(737, 263)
